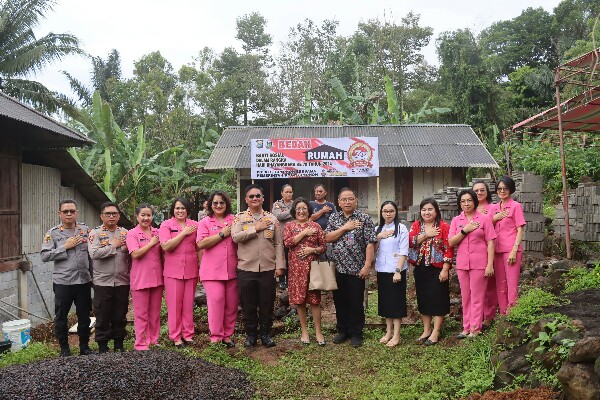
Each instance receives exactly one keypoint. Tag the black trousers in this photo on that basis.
(110, 306)
(349, 304)
(257, 297)
(64, 297)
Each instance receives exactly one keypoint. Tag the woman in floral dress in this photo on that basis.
(306, 242)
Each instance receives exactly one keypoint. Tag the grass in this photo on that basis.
(374, 371)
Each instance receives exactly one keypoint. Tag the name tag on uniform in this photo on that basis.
(174, 230)
(214, 228)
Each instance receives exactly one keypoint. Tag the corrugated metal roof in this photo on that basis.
(39, 130)
(419, 145)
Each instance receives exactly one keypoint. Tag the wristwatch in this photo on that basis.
(398, 270)
(222, 235)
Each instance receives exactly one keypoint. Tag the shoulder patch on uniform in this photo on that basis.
(55, 227)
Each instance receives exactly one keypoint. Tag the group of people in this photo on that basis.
(486, 239)
(239, 257)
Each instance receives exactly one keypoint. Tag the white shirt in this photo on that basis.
(391, 248)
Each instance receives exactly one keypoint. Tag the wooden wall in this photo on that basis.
(10, 215)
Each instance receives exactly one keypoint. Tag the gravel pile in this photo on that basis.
(152, 374)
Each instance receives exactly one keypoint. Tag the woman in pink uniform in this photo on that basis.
(490, 303)
(146, 278)
(218, 268)
(178, 239)
(509, 222)
(473, 235)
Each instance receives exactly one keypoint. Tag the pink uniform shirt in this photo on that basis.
(219, 263)
(147, 271)
(506, 228)
(471, 252)
(182, 261)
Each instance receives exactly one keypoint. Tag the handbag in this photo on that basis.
(322, 276)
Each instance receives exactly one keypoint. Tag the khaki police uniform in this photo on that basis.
(259, 254)
(111, 283)
(71, 278)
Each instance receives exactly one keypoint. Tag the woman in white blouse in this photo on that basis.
(391, 266)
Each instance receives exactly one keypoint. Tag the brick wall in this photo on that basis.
(528, 193)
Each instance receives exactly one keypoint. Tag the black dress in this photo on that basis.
(433, 296)
(391, 302)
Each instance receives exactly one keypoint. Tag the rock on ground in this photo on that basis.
(155, 374)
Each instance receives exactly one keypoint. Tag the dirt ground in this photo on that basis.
(541, 393)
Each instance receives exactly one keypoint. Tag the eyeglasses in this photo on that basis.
(388, 211)
(348, 200)
(68, 211)
(254, 196)
(466, 201)
(111, 214)
(502, 189)
(218, 203)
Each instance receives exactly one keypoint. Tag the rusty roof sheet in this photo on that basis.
(420, 145)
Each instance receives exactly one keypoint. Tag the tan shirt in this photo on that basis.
(258, 251)
(111, 264)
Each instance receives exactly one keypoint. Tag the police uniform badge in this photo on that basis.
(47, 238)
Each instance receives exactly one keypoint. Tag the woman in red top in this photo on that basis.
(432, 256)
(306, 241)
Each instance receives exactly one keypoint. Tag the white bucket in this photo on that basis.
(18, 332)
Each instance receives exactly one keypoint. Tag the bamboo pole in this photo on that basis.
(563, 165)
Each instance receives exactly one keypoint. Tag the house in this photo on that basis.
(415, 161)
(36, 172)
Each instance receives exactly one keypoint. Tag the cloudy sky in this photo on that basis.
(179, 28)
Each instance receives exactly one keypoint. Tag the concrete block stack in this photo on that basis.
(528, 193)
(584, 213)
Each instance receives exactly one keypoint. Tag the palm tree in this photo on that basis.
(22, 54)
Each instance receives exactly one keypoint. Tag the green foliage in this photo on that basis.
(543, 158)
(582, 279)
(23, 54)
(35, 351)
(529, 307)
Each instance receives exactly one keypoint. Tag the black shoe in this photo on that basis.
(103, 347)
(250, 341)
(85, 351)
(119, 346)
(187, 342)
(267, 341)
(340, 338)
(283, 285)
(65, 351)
(230, 344)
(356, 341)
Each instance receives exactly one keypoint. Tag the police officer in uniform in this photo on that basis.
(111, 278)
(66, 245)
(260, 259)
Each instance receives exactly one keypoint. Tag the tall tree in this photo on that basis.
(466, 81)
(305, 61)
(102, 72)
(22, 53)
(529, 39)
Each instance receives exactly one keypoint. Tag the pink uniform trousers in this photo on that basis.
(472, 291)
(146, 316)
(507, 280)
(490, 303)
(179, 294)
(222, 303)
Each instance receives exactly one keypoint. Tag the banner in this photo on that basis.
(314, 157)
